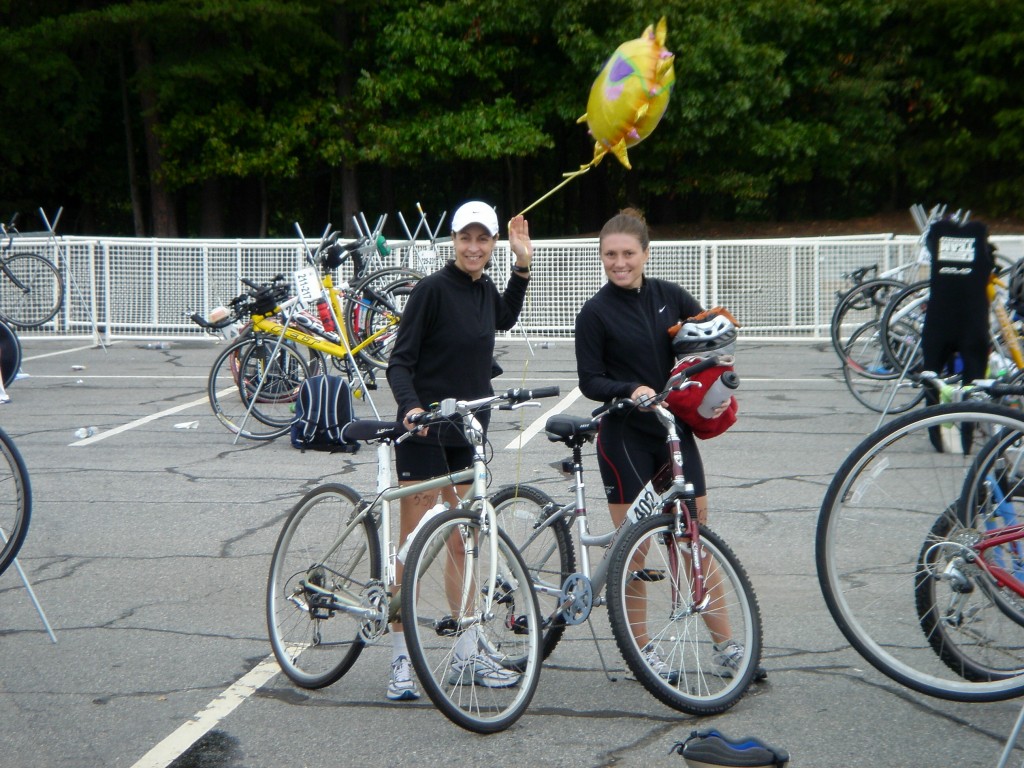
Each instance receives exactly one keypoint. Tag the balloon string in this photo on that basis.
(568, 177)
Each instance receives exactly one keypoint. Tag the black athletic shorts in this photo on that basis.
(422, 460)
(629, 458)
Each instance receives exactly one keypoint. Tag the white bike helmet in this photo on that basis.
(715, 334)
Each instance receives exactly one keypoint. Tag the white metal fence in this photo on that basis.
(783, 288)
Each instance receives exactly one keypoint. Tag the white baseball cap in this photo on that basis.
(475, 212)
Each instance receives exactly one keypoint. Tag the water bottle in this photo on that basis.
(309, 322)
(720, 391)
(85, 432)
(325, 315)
(434, 511)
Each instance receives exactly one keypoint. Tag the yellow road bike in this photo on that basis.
(283, 338)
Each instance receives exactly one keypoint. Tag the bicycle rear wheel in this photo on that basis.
(870, 377)
(252, 388)
(15, 501)
(952, 592)
(666, 639)
(478, 659)
(31, 290)
(324, 582)
(887, 566)
(547, 551)
(903, 324)
(861, 304)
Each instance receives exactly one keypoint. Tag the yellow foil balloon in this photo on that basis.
(630, 95)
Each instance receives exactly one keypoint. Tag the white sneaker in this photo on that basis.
(658, 665)
(402, 686)
(727, 658)
(480, 669)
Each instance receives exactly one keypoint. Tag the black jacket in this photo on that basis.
(445, 341)
(622, 340)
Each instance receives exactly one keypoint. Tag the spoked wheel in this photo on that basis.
(15, 501)
(31, 290)
(476, 648)
(903, 322)
(547, 550)
(10, 353)
(894, 556)
(871, 378)
(698, 658)
(379, 324)
(375, 311)
(862, 304)
(954, 592)
(324, 583)
(253, 386)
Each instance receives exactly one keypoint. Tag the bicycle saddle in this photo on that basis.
(569, 429)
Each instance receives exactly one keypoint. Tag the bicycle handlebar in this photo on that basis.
(202, 322)
(450, 407)
(370, 429)
(677, 381)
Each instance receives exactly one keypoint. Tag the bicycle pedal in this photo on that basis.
(649, 574)
(520, 626)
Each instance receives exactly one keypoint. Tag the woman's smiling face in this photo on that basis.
(623, 259)
(473, 248)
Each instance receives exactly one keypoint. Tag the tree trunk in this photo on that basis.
(348, 179)
(211, 209)
(129, 146)
(161, 200)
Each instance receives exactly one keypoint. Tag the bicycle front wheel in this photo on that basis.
(324, 595)
(31, 290)
(547, 550)
(696, 657)
(15, 501)
(471, 622)
(372, 318)
(252, 388)
(896, 558)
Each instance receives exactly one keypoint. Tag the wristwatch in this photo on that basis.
(520, 270)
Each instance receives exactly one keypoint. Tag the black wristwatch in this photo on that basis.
(520, 270)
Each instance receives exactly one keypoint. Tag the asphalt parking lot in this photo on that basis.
(150, 544)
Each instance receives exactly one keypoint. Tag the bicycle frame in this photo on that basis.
(341, 349)
(679, 495)
(379, 510)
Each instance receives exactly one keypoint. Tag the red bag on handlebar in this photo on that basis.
(684, 403)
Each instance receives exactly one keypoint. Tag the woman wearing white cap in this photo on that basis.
(445, 348)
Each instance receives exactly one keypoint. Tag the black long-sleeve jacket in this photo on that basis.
(445, 342)
(622, 341)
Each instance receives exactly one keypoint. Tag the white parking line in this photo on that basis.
(137, 423)
(171, 748)
(58, 352)
(529, 433)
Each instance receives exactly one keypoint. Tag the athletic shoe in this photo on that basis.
(727, 658)
(402, 686)
(653, 660)
(480, 669)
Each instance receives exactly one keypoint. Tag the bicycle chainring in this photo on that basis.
(579, 599)
(376, 598)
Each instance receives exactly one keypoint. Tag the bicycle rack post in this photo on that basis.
(31, 594)
(899, 381)
(1011, 741)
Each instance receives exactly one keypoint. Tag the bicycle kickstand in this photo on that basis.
(600, 655)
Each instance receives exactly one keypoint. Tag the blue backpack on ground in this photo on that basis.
(713, 749)
(322, 409)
